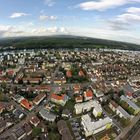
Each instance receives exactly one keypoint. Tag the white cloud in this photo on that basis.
(17, 15)
(133, 10)
(105, 33)
(104, 4)
(49, 3)
(131, 15)
(46, 17)
(126, 20)
(19, 30)
(49, 30)
(8, 30)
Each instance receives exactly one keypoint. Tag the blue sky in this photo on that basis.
(108, 19)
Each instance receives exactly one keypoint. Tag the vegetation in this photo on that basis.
(64, 42)
(75, 75)
(125, 122)
(36, 131)
(69, 105)
(3, 97)
(28, 95)
(108, 110)
(138, 103)
(53, 131)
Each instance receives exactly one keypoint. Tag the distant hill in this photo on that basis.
(62, 41)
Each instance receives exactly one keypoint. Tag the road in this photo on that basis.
(128, 128)
(136, 136)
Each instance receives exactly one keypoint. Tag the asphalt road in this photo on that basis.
(136, 136)
(128, 128)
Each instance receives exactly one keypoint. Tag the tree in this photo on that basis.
(131, 110)
(36, 131)
(121, 92)
(124, 104)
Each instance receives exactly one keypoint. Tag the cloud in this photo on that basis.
(4, 29)
(118, 25)
(46, 17)
(17, 15)
(49, 30)
(105, 33)
(125, 21)
(102, 5)
(49, 3)
(133, 10)
(121, 35)
(13, 31)
(8, 30)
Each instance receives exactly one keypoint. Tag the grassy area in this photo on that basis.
(54, 136)
(53, 131)
(108, 110)
(36, 131)
(111, 134)
(123, 122)
(70, 105)
(138, 103)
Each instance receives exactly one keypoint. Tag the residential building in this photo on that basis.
(46, 115)
(26, 104)
(35, 121)
(97, 110)
(90, 127)
(18, 113)
(27, 128)
(39, 98)
(119, 110)
(131, 104)
(88, 95)
(59, 99)
(19, 132)
(66, 113)
(77, 89)
(2, 125)
(85, 106)
(79, 99)
(5, 106)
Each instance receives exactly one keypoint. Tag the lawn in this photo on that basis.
(111, 134)
(70, 105)
(108, 110)
(54, 136)
(53, 131)
(138, 103)
(36, 131)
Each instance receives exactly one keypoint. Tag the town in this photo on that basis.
(69, 94)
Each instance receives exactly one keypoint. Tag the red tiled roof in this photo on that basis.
(25, 103)
(69, 73)
(57, 97)
(44, 87)
(89, 93)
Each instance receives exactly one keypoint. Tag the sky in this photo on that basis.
(108, 19)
